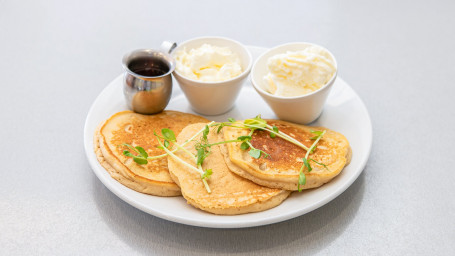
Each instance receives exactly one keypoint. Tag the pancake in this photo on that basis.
(135, 129)
(231, 194)
(282, 168)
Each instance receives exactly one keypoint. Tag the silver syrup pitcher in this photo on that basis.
(147, 83)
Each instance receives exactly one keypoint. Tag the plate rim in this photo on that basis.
(88, 146)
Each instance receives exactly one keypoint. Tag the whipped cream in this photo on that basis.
(300, 72)
(208, 63)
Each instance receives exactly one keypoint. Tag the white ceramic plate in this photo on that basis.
(344, 112)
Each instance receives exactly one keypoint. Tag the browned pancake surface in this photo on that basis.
(281, 169)
(138, 130)
(231, 194)
(287, 155)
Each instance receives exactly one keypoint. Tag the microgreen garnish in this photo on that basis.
(306, 160)
(325, 166)
(261, 124)
(246, 144)
(317, 133)
(205, 132)
(202, 146)
(302, 179)
(223, 124)
(207, 173)
(255, 153)
(168, 134)
(275, 129)
(255, 123)
(140, 158)
(307, 164)
(219, 128)
(199, 170)
(127, 153)
(244, 138)
(202, 154)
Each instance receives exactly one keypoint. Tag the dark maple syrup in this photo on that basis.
(148, 66)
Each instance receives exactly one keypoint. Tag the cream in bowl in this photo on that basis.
(296, 73)
(208, 63)
(211, 72)
(295, 80)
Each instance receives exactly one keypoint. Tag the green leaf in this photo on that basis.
(257, 121)
(244, 146)
(244, 138)
(255, 153)
(207, 173)
(307, 165)
(142, 152)
(127, 153)
(140, 160)
(318, 133)
(275, 129)
(232, 120)
(302, 181)
(166, 143)
(205, 132)
(219, 128)
(313, 149)
(200, 156)
(168, 134)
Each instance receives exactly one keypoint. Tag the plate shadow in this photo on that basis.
(309, 233)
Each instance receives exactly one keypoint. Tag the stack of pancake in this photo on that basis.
(239, 183)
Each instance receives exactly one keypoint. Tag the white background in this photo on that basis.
(57, 56)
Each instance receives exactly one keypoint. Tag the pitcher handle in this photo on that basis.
(168, 46)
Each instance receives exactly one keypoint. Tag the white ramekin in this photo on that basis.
(301, 109)
(213, 98)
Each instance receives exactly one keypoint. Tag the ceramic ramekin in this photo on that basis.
(301, 109)
(213, 98)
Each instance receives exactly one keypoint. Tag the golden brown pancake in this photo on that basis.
(137, 130)
(231, 194)
(281, 169)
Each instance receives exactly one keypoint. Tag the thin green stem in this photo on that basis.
(270, 129)
(131, 148)
(206, 185)
(314, 144)
(179, 159)
(186, 142)
(249, 144)
(281, 135)
(220, 142)
(199, 132)
(200, 171)
(184, 149)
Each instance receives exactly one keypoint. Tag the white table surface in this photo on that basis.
(57, 56)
